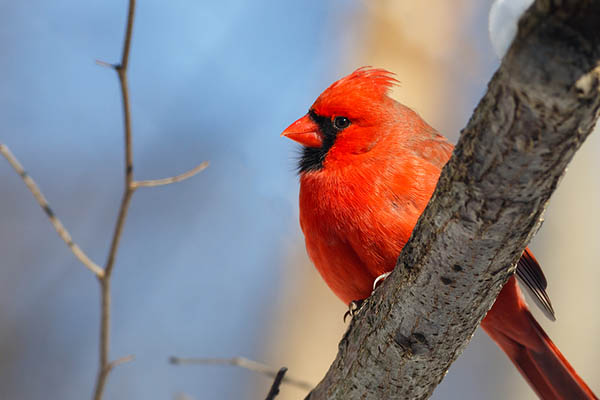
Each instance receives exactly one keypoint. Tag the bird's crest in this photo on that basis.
(364, 88)
(376, 81)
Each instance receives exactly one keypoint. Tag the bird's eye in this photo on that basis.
(341, 123)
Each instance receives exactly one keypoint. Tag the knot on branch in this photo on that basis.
(413, 344)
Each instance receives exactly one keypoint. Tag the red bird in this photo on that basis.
(367, 170)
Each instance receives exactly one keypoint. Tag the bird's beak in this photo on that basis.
(304, 131)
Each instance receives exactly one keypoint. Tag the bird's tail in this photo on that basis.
(510, 324)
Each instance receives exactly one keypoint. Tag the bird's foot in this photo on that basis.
(379, 279)
(353, 307)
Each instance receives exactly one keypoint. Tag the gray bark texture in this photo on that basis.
(540, 106)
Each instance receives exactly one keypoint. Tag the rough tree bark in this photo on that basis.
(540, 106)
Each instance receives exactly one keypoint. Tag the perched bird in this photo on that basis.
(367, 170)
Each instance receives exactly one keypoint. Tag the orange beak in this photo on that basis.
(304, 131)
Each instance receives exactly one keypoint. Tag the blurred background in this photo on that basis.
(215, 266)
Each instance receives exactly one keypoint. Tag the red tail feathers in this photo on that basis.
(510, 324)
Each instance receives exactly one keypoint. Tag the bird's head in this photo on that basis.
(346, 119)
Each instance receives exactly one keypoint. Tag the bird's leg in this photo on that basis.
(379, 279)
(353, 307)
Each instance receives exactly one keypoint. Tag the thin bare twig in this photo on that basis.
(58, 226)
(122, 360)
(130, 186)
(172, 179)
(106, 366)
(274, 391)
(105, 64)
(104, 275)
(245, 363)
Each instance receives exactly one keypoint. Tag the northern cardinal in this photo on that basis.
(367, 170)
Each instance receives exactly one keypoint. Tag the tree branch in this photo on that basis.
(56, 223)
(104, 274)
(540, 106)
(173, 179)
(274, 391)
(245, 363)
(106, 366)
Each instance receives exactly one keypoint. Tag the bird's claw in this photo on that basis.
(353, 308)
(355, 305)
(379, 279)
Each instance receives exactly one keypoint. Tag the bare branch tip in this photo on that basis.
(105, 64)
(274, 391)
(120, 361)
(173, 179)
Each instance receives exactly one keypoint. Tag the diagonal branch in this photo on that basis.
(540, 106)
(58, 226)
